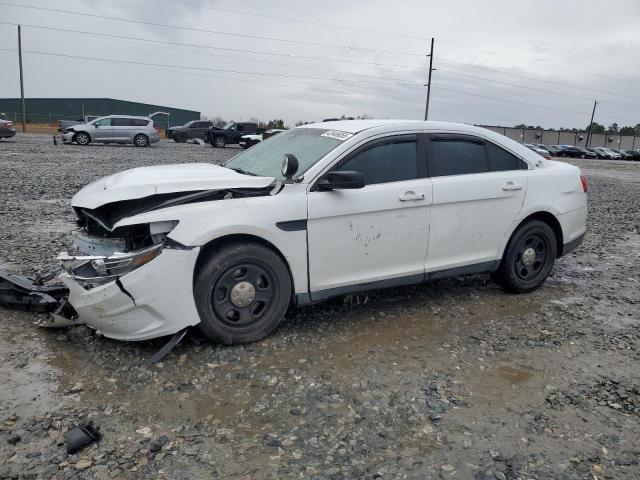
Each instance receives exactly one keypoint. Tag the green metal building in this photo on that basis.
(50, 110)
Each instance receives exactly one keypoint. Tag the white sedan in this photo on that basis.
(317, 211)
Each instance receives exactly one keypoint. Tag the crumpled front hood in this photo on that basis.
(145, 181)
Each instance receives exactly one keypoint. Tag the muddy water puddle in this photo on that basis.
(413, 340)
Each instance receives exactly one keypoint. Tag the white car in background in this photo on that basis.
(608, 153)
(317, 211)
(247, 141)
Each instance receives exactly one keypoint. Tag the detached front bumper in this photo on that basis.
(152, 301)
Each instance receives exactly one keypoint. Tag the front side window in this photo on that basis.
(392, 161)
(103, 122)
(308, 145)
(457, 157)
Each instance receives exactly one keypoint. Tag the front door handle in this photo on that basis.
(411, 196)
(511, 186)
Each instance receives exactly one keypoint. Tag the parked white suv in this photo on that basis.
(315, 212)
(113, 129)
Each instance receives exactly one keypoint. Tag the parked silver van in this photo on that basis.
(113, 129)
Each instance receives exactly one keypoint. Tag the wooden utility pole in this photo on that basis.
(426, 110)
(24, 109)
(591, 123)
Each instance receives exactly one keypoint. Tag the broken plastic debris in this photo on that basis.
(79, 437)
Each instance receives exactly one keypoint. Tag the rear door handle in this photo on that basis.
(411, 196)
(511, 186)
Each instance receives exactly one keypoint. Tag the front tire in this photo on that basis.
(82, 138)
(141, 140)
(242, 292)
(528, 258)
(219, 142)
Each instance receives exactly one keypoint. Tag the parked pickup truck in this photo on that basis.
(190, 130)
(219, 137)
(64, 124)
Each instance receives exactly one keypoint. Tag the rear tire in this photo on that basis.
(82, 138)
(242, 292)
(219, 142)
(528, 258)
(141, 140)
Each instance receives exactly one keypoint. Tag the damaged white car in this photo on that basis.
(318, 211)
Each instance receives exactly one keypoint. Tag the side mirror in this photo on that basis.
(289, 165)
(341, 180)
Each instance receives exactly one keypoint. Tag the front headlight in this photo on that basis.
(92, 271)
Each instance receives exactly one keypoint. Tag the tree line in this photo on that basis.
(614, 129)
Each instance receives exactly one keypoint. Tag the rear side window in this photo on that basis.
(500, 160)
(457, 157)
(120, 122)
(129, 122)
(386, 162)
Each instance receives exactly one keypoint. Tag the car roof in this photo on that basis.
(125, 116)
(357, 126)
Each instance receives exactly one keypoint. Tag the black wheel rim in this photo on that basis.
(243, 294)
(531, 256)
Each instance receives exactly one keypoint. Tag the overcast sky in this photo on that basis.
(568, 44)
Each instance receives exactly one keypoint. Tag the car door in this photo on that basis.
(121, 129)
(102, 130)
(478, 191)
(198, 129)
(376, 235)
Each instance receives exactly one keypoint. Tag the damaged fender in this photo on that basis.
(153, 300)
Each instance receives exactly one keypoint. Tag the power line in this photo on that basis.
(180, 44)
(294, 20)
(217, 77)
(546, 107)
(355, 29)
(261, 82)
(221, 70)
(212, 47)
(214, 32)
(533, 88)
(553, 82)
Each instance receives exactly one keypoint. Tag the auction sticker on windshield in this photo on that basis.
(337, 135)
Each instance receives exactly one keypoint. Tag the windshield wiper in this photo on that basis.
(244, 172)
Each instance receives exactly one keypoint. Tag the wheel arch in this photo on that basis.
(546, 217)
(137, 134)
(82, 131)
(220, 242)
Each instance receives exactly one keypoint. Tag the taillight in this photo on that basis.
(547, 157)
(584, 183)
(9, 124)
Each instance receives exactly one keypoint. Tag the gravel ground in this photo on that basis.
(449, 379)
